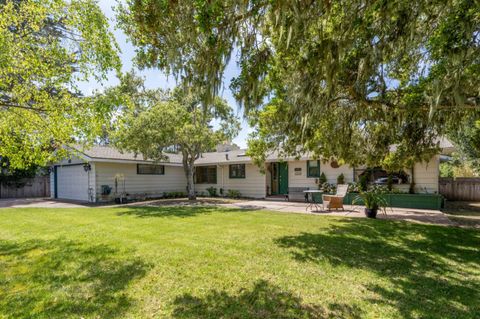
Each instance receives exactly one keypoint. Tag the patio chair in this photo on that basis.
(335, 201)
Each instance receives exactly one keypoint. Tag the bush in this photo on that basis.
(390, 182)
(353, 187)
(232, 193)
(212, 191)
(106, 190)
(363, 183)
(328, 188)
(322, 179)
(379, 189)
(174, 195)
(341, 179)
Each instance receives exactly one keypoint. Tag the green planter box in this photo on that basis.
(418, 201)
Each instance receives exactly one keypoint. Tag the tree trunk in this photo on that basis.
(411, 190)
(191, 185)
(188, 167)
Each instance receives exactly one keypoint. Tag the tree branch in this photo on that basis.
(30, 108)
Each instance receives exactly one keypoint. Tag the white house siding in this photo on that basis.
(138, 184)
(303, 181)
(425, 176)
(253, 185)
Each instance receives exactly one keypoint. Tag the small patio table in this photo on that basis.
(311, 199)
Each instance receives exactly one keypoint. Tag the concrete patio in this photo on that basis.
(413, 215)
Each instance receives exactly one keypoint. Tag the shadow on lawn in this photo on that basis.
(264, 300)
(432, 271)
(60, 279)
(176, 211)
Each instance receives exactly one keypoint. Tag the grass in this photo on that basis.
(206, 262)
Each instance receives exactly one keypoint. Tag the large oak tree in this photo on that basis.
(344, 79)
(152, 122)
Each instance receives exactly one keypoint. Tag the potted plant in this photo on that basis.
(372, 201)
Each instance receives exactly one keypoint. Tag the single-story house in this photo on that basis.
(97, 174)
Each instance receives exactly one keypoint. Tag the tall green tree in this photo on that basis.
(343, 79)
(150, 122)
(466, 138)
(46, 49)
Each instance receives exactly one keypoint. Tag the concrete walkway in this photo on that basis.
(39, 203)
(413, 215)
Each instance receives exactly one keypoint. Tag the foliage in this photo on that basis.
(14, 176)
(353, 187)
(232, 193)
(174, 195)
(345, 79)
(390, 182)
(446, 169)
(327, 188)
(363, 183)
(341, 179)
(459, 167)
(150, 122)
(46, 48)
(379, 189)
(372, 199)
(466, 138)
(322, 179)
(106, 190)
(212, 191)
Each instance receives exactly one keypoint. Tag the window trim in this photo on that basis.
(139, 173)
(308, 169)
(230, 166)
(206, 167)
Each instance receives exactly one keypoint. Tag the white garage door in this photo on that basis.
(72, 182)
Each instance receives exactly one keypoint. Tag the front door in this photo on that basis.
(283, 178)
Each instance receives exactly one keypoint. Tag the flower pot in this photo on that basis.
(371, 212)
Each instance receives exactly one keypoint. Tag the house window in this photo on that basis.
(313, 168)
(237, 171)
(206, 174)
(150, 169)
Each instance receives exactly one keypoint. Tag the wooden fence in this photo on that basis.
(460, 188)
(35, 187)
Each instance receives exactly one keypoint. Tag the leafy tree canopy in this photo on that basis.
(466, 138)
(46, 48)
(150, 122)
(343, 79)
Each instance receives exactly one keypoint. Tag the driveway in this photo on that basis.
(39, 202)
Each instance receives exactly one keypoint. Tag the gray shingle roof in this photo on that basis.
(107, 152)
(234, 156)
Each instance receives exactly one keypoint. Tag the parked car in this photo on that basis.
(384, 180)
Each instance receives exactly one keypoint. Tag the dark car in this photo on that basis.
(384, 180)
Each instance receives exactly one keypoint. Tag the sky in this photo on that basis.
(157, 79)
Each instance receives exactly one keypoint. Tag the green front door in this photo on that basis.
(283, 178)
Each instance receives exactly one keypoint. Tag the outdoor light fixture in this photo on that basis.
(87, 167)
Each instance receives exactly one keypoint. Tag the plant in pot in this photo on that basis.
(372, 201)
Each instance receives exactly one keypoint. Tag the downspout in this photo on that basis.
(223, 181)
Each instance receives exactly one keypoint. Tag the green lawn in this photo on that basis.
(199, 262)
